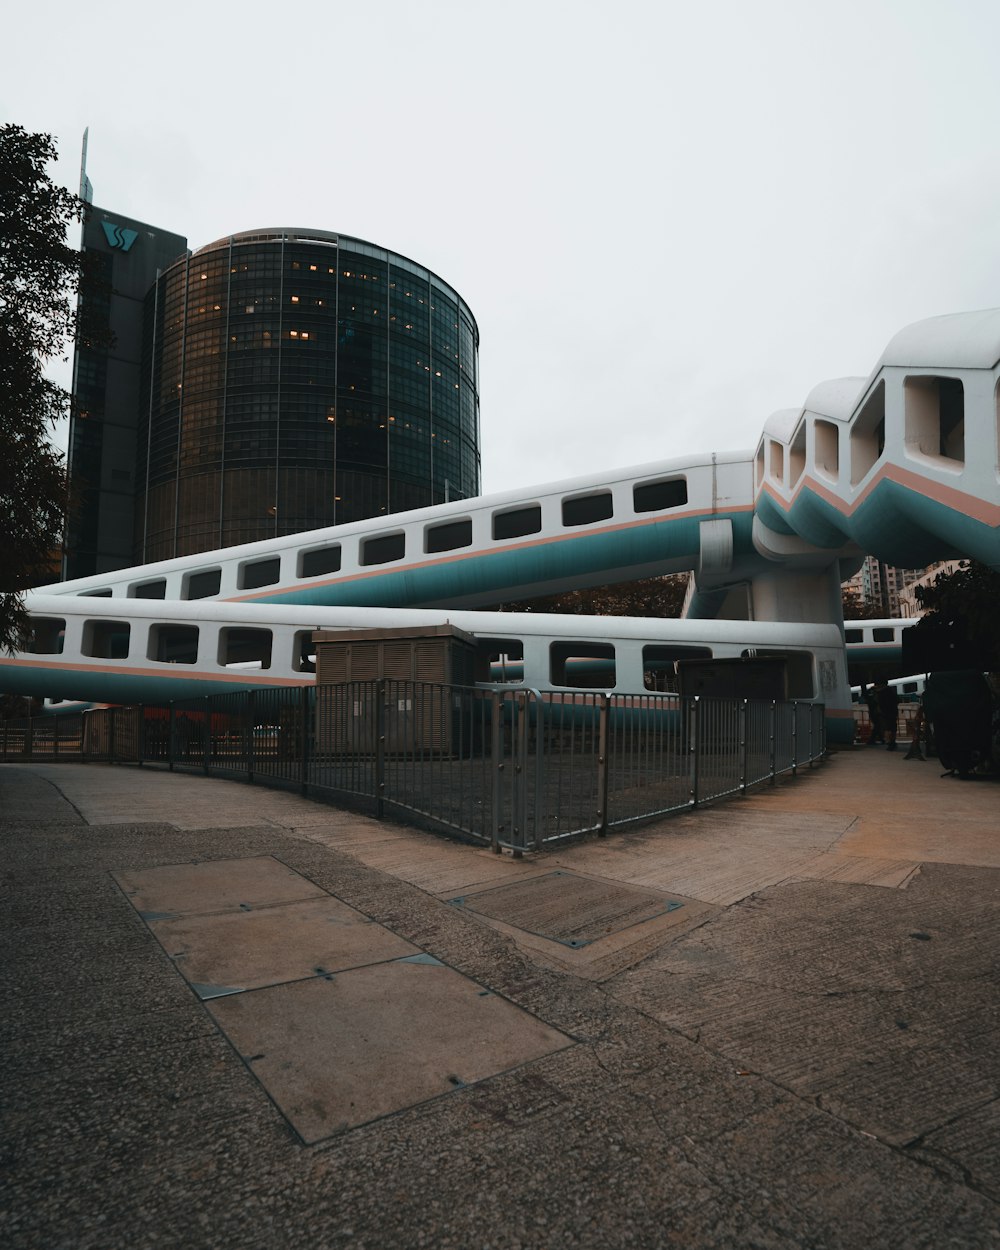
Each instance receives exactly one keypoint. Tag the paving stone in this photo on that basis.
(334, 1052)
(220, 954)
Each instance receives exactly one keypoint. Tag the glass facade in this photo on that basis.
(299, 379)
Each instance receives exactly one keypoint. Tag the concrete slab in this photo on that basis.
(894, 874)
(607, 956)
(223, 954)
(340, 1051)
(940, 838)
(439, 866)
(212, 886)
(568, 908)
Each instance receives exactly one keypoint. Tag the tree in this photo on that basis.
(857, 608)
(39, 278)
(963, 613)
(649, 596)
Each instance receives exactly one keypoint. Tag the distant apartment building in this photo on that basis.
(908, 604)
(880, 587)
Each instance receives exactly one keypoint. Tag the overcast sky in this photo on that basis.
(670, 219)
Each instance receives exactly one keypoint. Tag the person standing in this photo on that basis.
(887, 699)
(876, 733)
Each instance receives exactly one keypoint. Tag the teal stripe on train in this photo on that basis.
(504, 573)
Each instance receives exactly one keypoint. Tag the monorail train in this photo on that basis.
(143, 651)
(876, 640)
(910, 689)
(635, 522)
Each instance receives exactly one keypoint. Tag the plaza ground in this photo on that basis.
(235, 1017)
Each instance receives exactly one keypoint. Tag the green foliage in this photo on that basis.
(649, 596)
(856, 608)
(968, 601)
(39, 278)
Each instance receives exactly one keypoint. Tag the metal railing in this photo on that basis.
(507, 768)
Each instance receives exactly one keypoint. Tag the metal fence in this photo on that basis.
(508, 767)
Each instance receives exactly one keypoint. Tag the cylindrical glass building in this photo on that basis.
(297, 378)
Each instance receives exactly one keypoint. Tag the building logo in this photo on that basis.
(118, 236)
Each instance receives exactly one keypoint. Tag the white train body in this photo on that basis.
(143, 651)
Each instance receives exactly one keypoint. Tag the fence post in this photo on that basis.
(140, 735)
(541, 728)
(112, 721)
(380, 748)
(519, 758)
(795, 739)
(744, 746)
(171, 735)
(250, 714)
(602, 766)
(772, 730)
(304, 727)
(496, 748)
(693, 751)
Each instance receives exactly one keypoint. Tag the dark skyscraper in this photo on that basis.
(107, 405)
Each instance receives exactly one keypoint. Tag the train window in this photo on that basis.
(202, 585)
(245, 648)
(594, 669)
(935, 417)
(46, 635)
(319, 561)
(106, 640)
(672, 492)
(304, 652)
(149, 590)
(95, 594)
(587, 509)
(659, 664)
(517, 522)
(854, 635)
(173, 644)
(500, 660)
(383, 549)
(259, 573)
(448, 537)
(883, 635)
(868, 435)
(827, 448)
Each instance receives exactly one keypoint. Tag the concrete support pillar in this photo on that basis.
(799, 595)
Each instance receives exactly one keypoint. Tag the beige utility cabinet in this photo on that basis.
(421, 710)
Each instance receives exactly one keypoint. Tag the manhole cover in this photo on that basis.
(569, 909)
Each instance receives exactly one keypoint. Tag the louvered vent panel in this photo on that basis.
(431, 659)
(398, 658)
(332, 664)
(365, 661)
